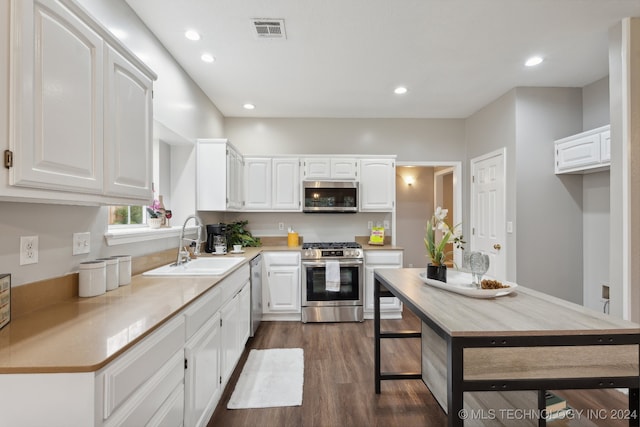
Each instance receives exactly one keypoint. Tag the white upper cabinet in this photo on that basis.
(316, 168)
(585, 152)
(272, 184)
(128, 124)
(218, 176)
(377, 184)
(80, 109)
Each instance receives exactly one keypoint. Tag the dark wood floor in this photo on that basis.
(339, 384)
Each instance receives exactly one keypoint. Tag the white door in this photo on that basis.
(488, 210)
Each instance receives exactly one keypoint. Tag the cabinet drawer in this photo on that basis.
(232, 284)
(172, 412)
(383, 257)
(202, 310)
(282, 258)
(135, 367)
(142, 405)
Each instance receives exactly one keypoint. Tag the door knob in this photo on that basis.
(497, 246)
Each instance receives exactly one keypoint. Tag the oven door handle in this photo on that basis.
(323, 263)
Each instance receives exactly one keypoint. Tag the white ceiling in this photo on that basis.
(343, 58)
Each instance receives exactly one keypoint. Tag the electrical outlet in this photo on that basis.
(386, 225)
(369, 225)
(28, 250)
(281, 226)
(81, 243)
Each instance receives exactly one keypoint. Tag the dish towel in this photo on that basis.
(332, 276)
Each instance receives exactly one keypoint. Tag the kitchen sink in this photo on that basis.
(197, 267)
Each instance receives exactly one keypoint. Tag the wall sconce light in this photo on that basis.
(409, 180)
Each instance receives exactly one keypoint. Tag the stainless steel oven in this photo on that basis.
(332, 299)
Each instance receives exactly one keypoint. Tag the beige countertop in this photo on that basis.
(85, 334)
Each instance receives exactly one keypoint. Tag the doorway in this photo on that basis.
(420, 188)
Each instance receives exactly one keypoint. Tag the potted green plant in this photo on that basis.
(437, 250)
(237, 234)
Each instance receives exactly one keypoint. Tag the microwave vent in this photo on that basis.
(269, 28)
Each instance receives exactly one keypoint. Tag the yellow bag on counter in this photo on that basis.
(377, 236)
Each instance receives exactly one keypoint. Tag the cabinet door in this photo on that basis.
(283, 289)
(605, 146)
(211, 175)
(257, 183)
(202, 374)
(56, 126)
(317, 168)
(376, 260)
(286, 184)
(344, 168)
(244, 329)
(234, 179)
(128, 129)
(230, 315)
(377, 184)
(578, 153)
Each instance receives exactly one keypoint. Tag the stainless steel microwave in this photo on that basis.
(330, 196)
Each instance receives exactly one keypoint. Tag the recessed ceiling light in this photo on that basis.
(400, 90)
(248, 106)
(192, 35)
(533, 61)
(207, 57)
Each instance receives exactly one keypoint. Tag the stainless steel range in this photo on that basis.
(332, 282)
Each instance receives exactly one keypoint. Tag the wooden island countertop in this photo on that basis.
(525, 340)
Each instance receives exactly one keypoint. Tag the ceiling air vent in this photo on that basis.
(269, 28)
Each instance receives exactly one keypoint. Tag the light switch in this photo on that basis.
(81, 243)
(509, 227)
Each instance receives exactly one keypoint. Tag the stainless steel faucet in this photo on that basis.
(183, 255)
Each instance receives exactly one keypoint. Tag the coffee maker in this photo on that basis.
(216, 236)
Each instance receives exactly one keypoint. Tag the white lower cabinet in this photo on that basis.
(174, 377)
(281, 286)
(390, 307)
(212, 353)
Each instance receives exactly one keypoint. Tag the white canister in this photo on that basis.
(92, 280)
(113, 276)
(124, 269)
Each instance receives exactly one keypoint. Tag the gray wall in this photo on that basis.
(409, 139)
(489, 129)
(548, 206)
(544, 208)
(595, 104)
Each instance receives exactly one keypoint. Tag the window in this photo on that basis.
(126, 215)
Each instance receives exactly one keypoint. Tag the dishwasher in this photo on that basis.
(256, 293)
